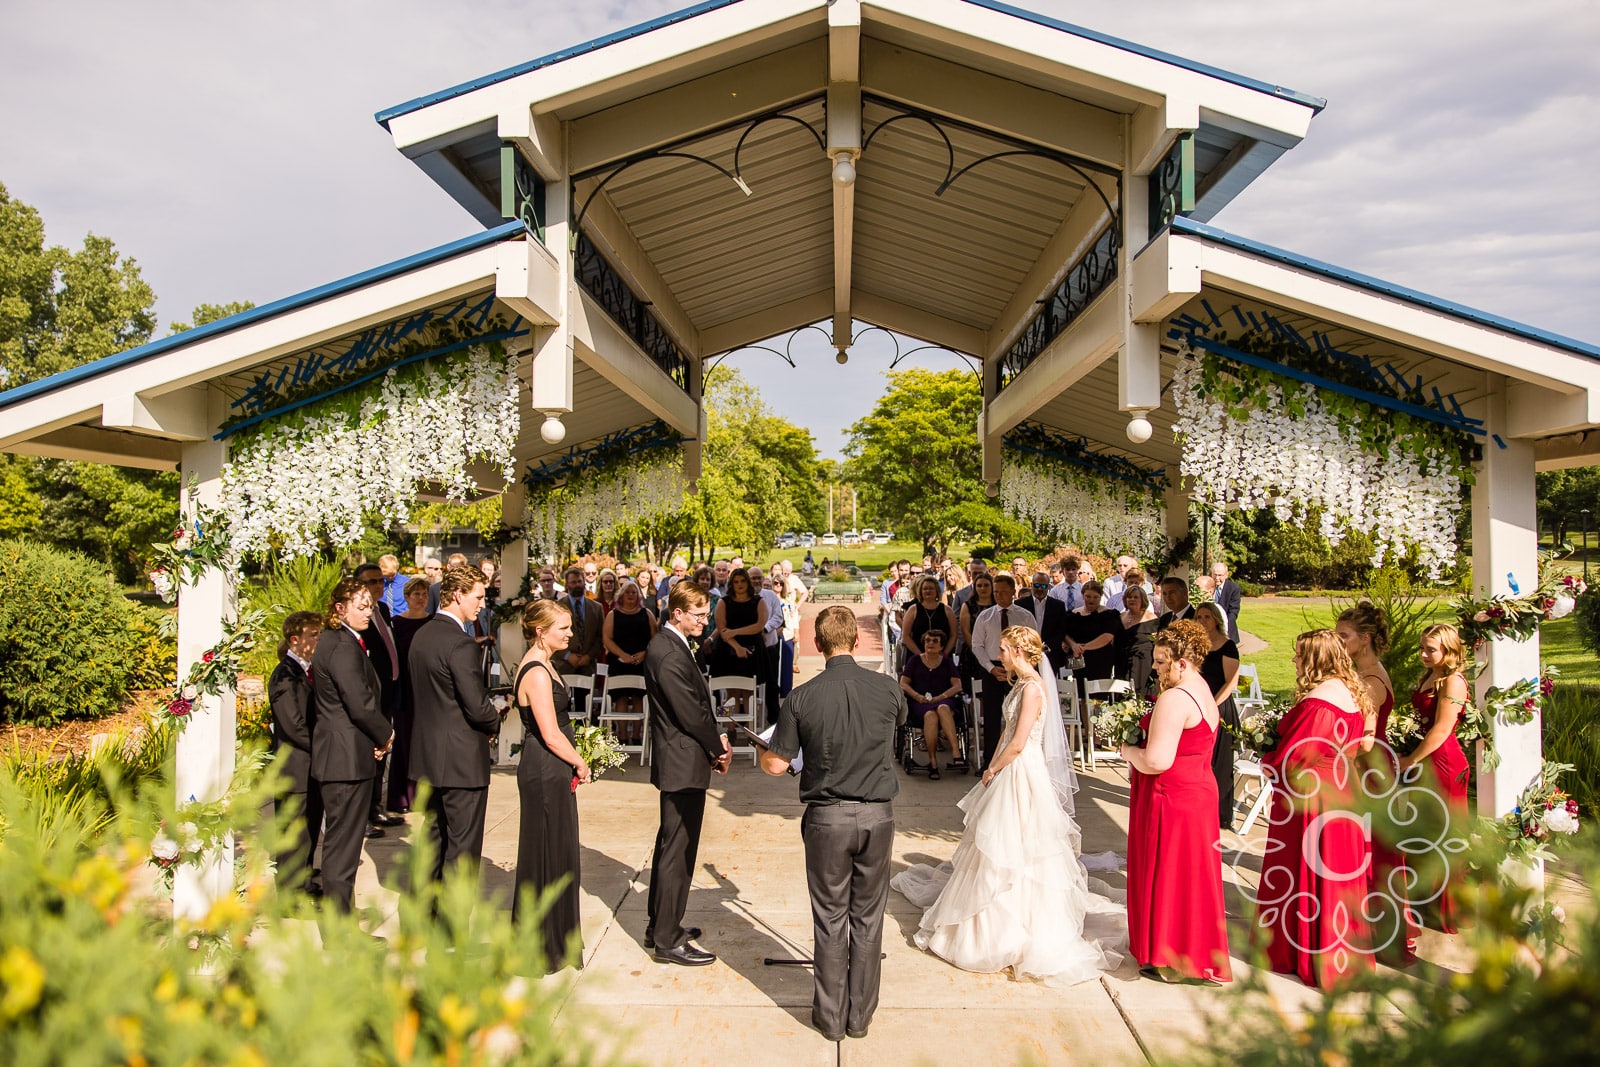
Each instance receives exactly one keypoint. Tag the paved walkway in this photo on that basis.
(750, 898)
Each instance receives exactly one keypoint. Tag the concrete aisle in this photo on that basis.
(750, 898)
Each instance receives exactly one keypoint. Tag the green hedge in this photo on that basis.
(71, 646)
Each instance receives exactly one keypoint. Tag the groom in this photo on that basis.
(844, 721)
(686, 748)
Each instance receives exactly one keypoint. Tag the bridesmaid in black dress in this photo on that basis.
(547, 779)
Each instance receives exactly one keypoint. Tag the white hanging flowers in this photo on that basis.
(637, 490)
(1287, 449)
(1104, 516)
(323, 470)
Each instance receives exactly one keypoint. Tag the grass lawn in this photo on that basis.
(1277, 620)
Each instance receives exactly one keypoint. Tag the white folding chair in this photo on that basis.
(628, 685)
(1072, 715)
(1110, 689)
(975, 745)
(581, 686)
(1247, 697)
(1245, 767)
(724, 687)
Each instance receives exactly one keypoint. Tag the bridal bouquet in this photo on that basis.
(1117, 723)
(598, 747)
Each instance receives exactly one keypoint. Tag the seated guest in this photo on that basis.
(289, 696)
(931, 682)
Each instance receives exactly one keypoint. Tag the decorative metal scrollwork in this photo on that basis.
(601, 281)
(521, 190)
(1088, 278)
(1172, 184)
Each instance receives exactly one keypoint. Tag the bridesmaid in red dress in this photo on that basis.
(1314, 874)
(1176, 925)
(1438, 700)
(1364, 630)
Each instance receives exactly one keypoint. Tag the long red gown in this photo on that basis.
(1175, 911)
(1315, 871)
(1445, 769)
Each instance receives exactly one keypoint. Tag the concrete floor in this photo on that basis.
(750, 898)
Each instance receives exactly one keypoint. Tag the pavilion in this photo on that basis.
(1030, 194)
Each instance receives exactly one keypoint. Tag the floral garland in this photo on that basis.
(207, 825)
(1543, 813)
(1102, 516)
(201, 541)
(217, 669)
(1278, 444)
(1516, 617)
(1518, 703)
(322, 469)
(620, 494)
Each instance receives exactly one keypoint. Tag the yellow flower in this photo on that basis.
(457, 1016)
(22, 982)
(405, 1035)
(99, 880)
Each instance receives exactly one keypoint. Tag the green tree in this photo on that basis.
(208, 313)
(1562, 497)
(60, 308)
(915, 459)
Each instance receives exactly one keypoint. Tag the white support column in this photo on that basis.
(1139, 361)
(1177, 519)
(513, 569)
(1505, 544)
(550, 373)
(205, 756)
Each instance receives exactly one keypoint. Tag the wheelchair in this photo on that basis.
(908, 741)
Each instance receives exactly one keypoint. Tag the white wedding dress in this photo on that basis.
(1015, 894)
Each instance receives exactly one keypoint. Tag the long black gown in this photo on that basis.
(1227, 715)
(547, 844)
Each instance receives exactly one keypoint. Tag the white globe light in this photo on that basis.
(552, 431)
(1139, 428)
(844, 171)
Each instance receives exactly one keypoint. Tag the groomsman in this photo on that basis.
(1228, 596)
(453, 721)
(290, 698)
(843, 721)
(350, 736)
(385, 656)
(687, 748)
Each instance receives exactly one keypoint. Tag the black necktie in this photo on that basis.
(1005, 619)
(577, 622)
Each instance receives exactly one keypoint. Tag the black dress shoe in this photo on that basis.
(686, 955)
(387, 819)
(376, 831)
(825, 1035)
(690, 933)
(855, 1033)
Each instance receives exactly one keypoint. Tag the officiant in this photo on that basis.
(843, 721)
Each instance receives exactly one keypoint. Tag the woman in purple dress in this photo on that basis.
(933, 684)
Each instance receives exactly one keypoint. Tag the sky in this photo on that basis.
(230, 148)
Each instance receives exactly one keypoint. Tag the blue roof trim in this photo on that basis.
(1184, 225)
(509, 230)
(1315, 103)
(383, 117)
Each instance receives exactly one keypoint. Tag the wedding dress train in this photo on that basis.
(1015, 894)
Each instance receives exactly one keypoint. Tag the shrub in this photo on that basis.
(71, 646)
(304, 583)
(1587, 615)
(154, 663)
(1570, 725)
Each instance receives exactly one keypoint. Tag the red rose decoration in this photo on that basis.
(180, 708)
(208, 657)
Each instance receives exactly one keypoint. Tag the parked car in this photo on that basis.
(808, 540)
(868, 536)
(884, 537)
(829, 540)
(849, 537)
(786, 540)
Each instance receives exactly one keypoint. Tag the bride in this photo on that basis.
(1015, 894)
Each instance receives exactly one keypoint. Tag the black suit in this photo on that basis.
(684, 743)
(388, 685)
(348, 727)
(1052, 628)
(588, 639)
(293, 718)
(1170, 617)
(452, 722)
(1228, 597)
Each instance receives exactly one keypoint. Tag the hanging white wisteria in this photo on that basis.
(321, 470)
(1109, 517)
(1289, 450)
(640, 488)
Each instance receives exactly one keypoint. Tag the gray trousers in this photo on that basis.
(847, 870)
